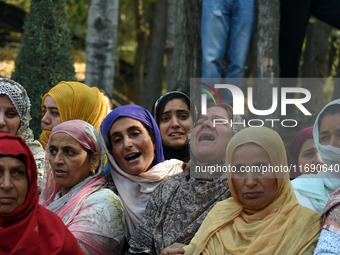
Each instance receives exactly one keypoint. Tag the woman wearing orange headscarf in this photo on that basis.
(263, 216)
(69, 101)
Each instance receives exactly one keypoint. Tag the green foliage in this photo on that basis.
(44, 57)
(78, 11)
(23, 4)
(126, 39)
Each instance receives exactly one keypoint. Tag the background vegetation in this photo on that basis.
(158, 49)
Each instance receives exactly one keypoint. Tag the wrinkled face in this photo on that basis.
(309, 156)
(175, 123)
(13, 184)
(51, 116)
(9, 117)
(69, 161)
(254, 190)
(132, 147)
(207, 142)
(329, 133)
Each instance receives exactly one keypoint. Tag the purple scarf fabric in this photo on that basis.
(139, 113)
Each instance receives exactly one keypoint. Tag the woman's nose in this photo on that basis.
(174, 122)
(6, 181)
(318, 159)
(207, 123)
(58, 158)
(127, 142)
(250, 181)
(46, 119)
(2, 119)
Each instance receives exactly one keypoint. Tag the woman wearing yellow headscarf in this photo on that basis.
(70, 101)
(263, 216)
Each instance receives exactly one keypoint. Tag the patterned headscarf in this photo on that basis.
(18, 96)
(99, 235)
(76, 100)
(85, 134)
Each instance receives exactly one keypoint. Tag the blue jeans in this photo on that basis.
(227, 27)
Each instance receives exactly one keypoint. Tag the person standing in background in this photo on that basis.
(227, 28)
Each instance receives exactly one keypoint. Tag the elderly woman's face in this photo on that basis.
(209, 142)
(69, 161)
(175, 123)
(9, 117)
(13, 184)
(254, 190)
(329, 133)
(132, 146)
(51, 116)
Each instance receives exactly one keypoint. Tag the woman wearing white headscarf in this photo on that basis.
(313, 191)
(21, 102)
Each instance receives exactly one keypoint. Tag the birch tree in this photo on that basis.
(101, 43)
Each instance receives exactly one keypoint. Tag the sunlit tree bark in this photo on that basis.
(101, 44)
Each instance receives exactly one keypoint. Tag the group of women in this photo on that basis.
(164, 198)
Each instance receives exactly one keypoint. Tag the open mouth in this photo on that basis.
(176, 134)
(133, 156)
(206, 137)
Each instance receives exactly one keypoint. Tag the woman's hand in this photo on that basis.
(176, 248)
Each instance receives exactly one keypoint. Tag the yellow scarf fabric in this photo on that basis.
(282, 227)
(76, 100)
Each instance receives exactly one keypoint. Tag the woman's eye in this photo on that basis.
(199, 122)
(116, 140)
(19, 173)
(69, 152)
(309, 154)
(183, 116)
(56, 114)
(135, 134)
(323, 138)
(53, 151)
(165, 118)
(11, 114)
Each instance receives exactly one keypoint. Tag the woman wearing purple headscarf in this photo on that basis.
(303, 154)
(133, 145)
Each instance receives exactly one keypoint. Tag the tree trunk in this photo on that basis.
(154, 71)
(137, 90)
(268, 13)
(183, 43)
(170, 43)
(315, 62)
(101, 44)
